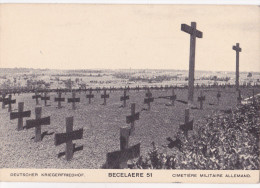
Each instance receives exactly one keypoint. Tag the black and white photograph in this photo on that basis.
(169, 87)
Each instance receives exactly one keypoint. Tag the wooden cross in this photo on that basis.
(9, 101)
(188, 125)
(194, 33)
(73, 100)
(174, 143)
(36, 96)
(20, 115)
(237, 49)
(104, 96)
(118, 159)
(90, 96)
(3, 99)
(68, 137)
(132, 118)
(253, 100)
(45, 98)
(149, 99)
(173, 97)
(239, 98)
(218, 96)
(37, 123)
(59, 99)
(201, 98)
(124, 98)
(138, 88)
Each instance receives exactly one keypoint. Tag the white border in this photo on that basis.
(219, 2)
(99, 185)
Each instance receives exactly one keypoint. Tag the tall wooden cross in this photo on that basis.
(68, 137)
(149, 99)
(9, 101)
(37, 123)
(20, 115)
(194, 33)
(73, 100)
(132, 118)
(45, 98)
(59, 99)
(90, 96)
(201, 99)
(124, 98)
(188, 125)
(118, 159)
(105, 96)
(237, 49)
(36, 97)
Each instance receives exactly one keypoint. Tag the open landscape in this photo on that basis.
(135, 87)
(101, 123)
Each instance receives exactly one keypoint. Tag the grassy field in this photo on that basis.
(101, 126)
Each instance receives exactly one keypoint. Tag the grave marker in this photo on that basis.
(9, 101)
(124, 98)
(253, 96)
(37, 123)
(59, 99)
(68, 137)
(132, 118)
(118, 159)
(45, 98)
(237, 49)
(194, 33)
(36, 97)
(105, 96)
(73, 100)
(149, 99)
(188, 125)
(90, 96)
(239, 98)
(3, 99)
(173, 97)
(174, 143)
(20, 115)
(218, 96)
(201, 99)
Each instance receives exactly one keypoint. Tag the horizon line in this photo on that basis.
(124, 69)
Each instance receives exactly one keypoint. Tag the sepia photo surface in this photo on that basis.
(129, 93)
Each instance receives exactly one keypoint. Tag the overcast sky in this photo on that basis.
(127, 36)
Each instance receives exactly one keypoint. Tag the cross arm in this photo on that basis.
(36, 96)
(9, 101)
(115, 158)
(36, 122)
(45, 98)
(131, 118)
(74, 100)
(15, 115)
(124, 98)
(237, 48)
(147, 100)
(187, 126)
(59, 99)
(61, 138)
(188, 29)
